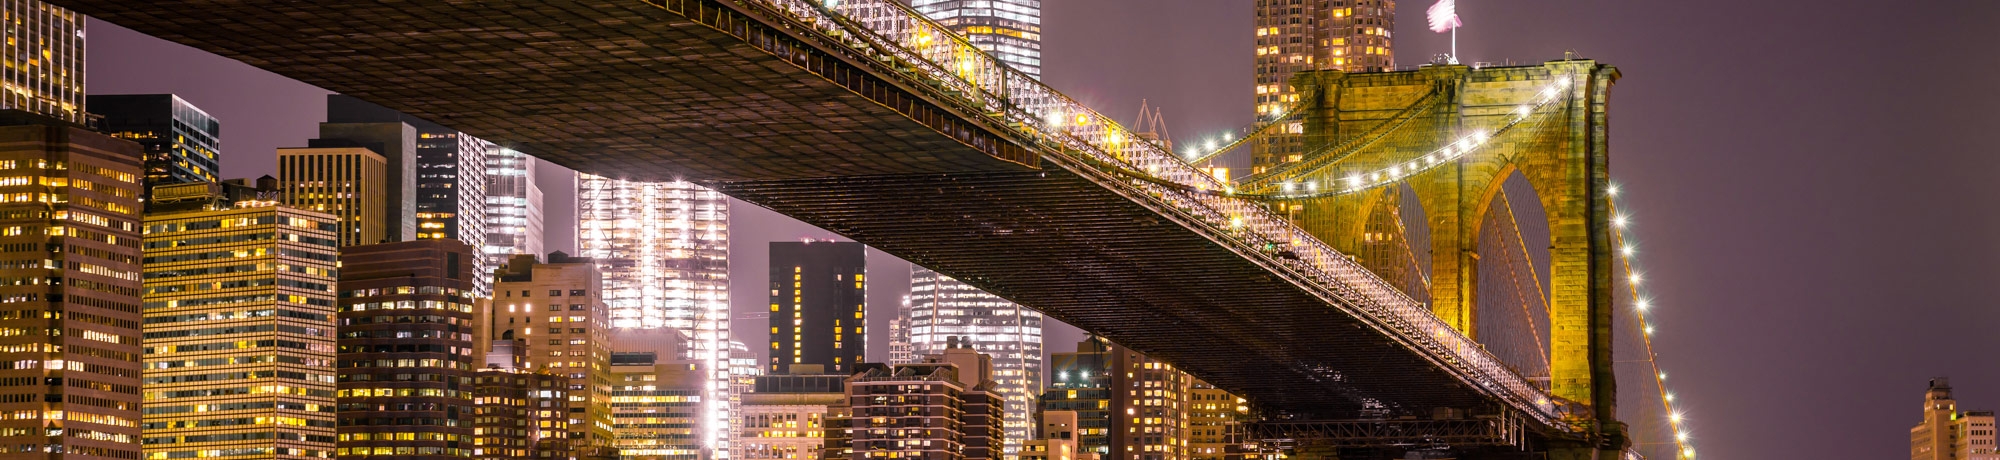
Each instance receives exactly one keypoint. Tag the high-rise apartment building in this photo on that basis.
(943, 310)
(784, 416)
(240, 331)
(657, 405)
(819, 300)
(518, 414)
(70, 282)
(950, 396)
(513, 206)
(1010, 30)
(556, 309)
(45, 60)
(182, 142)
(664, 249)
(348, 182)
(1301, 35)
(1215, 422)
(406, 349)
(396, 142)
(450, 176)
(1129, 406)
(1947, 434)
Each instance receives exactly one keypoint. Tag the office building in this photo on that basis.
(664, 250)
(657, 405)
(396, 142)
(950, 395)
(450, 176)
(943, 309)
(226, 325)
(1293, 36)
(556, 310)
(182, 142)
(406, 360)
(1128, 406)
(72, 313)
(1215, 422)
(45, 62)
(901, 351)
(784, 416)
(744, 369)
(1947, 434)
(819, 302)
(1057, 441)
(518, 414)
(1010, 30)
(348, 182)
(211, 196)
(513, 206)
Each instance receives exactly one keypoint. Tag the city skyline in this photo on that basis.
(1641, 152)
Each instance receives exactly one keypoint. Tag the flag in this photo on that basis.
(1444, 16)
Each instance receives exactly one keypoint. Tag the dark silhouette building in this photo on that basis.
(819, 301)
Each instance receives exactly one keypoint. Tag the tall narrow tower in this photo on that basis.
(1300, 35)
(1010, 30)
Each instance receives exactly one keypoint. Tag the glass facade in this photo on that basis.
(942, 309)
(513, 207)
(448, 176)
(1010, 30)
(44, 59)
(1299, 35)
(181, 141)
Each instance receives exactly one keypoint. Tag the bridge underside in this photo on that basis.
(716, 94)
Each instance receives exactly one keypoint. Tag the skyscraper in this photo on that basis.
(513, 207)
(348, 182)
(1129, 406)
(819, 299)
(239, 301)
(70, 258)
(45, 60)
(664, 250)
(901, 351)
(943, 309)
(181, 141)
(1947, 434)
(656, 405)
(949, 398)
(1300, 35)
(556, 309)
(1010, 30)
(450, 176)
(396, 142)
(406, 323)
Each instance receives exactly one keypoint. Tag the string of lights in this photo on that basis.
(1621, 225)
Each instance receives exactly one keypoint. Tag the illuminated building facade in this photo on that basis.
(785, 416)
(556, 309)
(1010, 30)
(347, 182)
(44, 55)
(240, 331)
(656, 406)
(513, 206)
(900, 349)
(1058, 439)
(406, 360)
(664, 249)
(943, 310)
(450, 176)
(1301, 35)
(519, 414)
(181, 141)
(819, 300)
(951, 396)
(1128, 406)
(74, 313)
(743, 372)
(1947, 434)
(396, 142)
(1215, 421)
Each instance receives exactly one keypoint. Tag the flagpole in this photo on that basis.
(1454, 45)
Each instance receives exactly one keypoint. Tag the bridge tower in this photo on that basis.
(1365, 122)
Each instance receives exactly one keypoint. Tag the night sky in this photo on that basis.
(1809, 180)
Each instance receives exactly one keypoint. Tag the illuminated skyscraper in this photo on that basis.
(943, 309)
(513, 207)
(1098, 382)
(1010, 30)
(449, 176)
(44, 58)
(819, 301)
(664, 250)
(406, 322)
(182, 142)
(224, 321)
(347, 182)
(900, 349)
(1300, 35)
(656, 406)
(396, 142)
(556, 309)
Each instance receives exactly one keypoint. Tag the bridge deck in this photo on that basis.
(709, 92)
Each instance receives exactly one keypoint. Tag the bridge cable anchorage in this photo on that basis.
(1327, 155)
(1621, 228)
(965, 78)
(1196, 155)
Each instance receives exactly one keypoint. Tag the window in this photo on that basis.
(577, 292)
(576, 307)
(555, 293)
